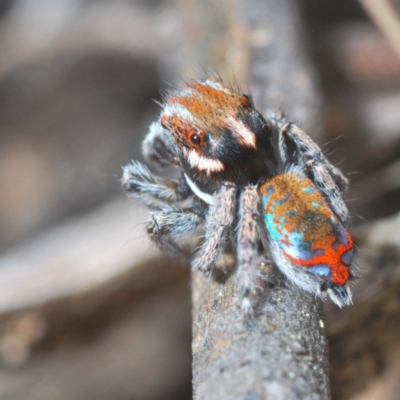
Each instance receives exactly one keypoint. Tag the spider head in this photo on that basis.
(219, 134)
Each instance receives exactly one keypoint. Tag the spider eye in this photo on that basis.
(195, 139)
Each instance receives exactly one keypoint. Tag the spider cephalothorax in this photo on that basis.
(254, 179)
(220, 136)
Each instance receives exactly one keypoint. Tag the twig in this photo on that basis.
(283, 353)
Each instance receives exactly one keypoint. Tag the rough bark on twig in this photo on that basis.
(283, 353)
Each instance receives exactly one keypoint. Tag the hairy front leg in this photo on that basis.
(247, 245)
(219, 220)
(170, 223)
(159, 147)
(151, 190)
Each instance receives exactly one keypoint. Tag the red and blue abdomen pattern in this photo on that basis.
(305, 230)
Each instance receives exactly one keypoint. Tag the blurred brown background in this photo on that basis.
(89, 310)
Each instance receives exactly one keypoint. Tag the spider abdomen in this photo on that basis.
(308, 242)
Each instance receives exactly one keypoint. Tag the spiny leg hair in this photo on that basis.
(167, 221)
(151, 190)
(327, 177)
(159, 147)
(171, 222)
(311, 151)
(218, 221)
(249, 211)
(307, 147)
(327, 185)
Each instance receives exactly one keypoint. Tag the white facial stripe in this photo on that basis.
(178, 110)
(203, 163)
(244, 134)
(195, 189)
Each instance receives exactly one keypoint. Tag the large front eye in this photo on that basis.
(195, 139)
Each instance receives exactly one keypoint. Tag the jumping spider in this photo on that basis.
(259, 181)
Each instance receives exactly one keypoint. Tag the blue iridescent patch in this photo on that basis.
(321, 270)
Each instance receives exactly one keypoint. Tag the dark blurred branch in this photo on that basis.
(283, 353)
(74, 257)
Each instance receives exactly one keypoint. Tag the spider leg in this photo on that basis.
(248, 244)
(159, 147)
(154, 192)
(292, 141)
(170, 222)
(329, 188)
(219, 219)
(167, 221)
(309, 150)
(276, 118)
